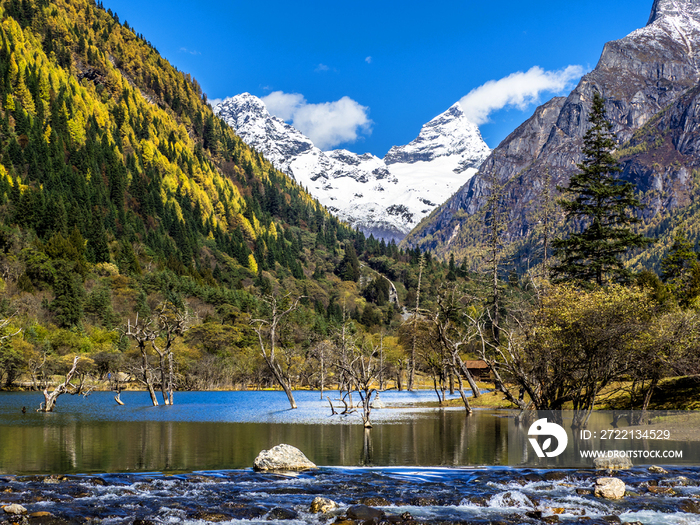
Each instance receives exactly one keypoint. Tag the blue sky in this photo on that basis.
(394, 64)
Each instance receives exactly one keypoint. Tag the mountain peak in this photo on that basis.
(670, 8)
(243, 102)
(448, 134)
(386, 199)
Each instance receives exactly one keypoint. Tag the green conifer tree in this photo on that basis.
(602, 205)
(69, 296)
(680, 269)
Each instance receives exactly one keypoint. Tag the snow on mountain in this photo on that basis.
(447, 135)
(385, 197)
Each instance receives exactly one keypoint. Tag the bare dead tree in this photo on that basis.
(4, 323)
(35, 365)
(158, 333)
(267, 331)
(67, 386)
(548, 208)
(430, 353)
(362, 370)
(498, 356)
(172, 322)
(117, 387)
(495, 222)
(322, 350)
(456, 338)
(416, 314)
(143, 333)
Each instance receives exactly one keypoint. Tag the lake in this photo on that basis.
(226, 430)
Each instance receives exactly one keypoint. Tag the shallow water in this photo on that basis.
(406, 495)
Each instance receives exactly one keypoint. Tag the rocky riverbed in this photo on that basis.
(362, 495)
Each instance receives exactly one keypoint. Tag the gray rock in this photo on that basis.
(609, 488)
(679, 481)
(657, 470)
(282, 457)
(322, 505)
(612, 463)
(612, 519)
(280, 513)
(15, 508)
(363, 512)
(374, 501)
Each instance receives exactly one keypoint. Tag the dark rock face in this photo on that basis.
(363, 512)
(280, 513)
(648, 80)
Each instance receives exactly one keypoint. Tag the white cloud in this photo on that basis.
(283, 105)
(321, 67)
(214, 101)
(519, 90)
(368, 60)
(327, 124)
(190, 51)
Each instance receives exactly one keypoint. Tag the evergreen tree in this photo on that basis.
(69, 296)
(603, 206)
(349, 268)
(451, 269)
(680, 270)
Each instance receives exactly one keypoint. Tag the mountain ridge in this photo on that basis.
(382, 197)
(640, 76)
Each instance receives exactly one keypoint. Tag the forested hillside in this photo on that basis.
(123, 195)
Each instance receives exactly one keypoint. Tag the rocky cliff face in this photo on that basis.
(384, 197)
(645, 79)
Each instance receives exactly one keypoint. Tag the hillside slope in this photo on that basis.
(122, 193)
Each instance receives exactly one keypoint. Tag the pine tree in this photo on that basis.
(603, 205)
(69, 296)
(349, 268)
(680, 269)
(451, 269)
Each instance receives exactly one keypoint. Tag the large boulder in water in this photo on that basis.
(612, 463)
(282, 457)
(609, 488)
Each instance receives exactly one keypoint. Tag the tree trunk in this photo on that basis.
(163, 380)
(366, 407)
(288, 390)
(171, 377)
(147, 378)
(286, 385)
(322, 374)
(465, 400)
(437, 391)
(467, 374)
(50, 398)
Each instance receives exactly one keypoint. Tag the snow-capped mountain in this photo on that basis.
(385, 197)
